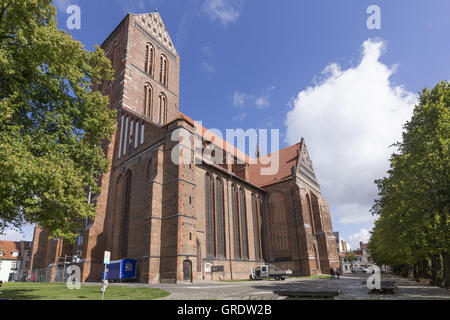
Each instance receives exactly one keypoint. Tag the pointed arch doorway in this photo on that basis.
(187, 270)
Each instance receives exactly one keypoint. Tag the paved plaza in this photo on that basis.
(350, 286)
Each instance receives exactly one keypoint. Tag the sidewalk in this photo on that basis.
(351, 287)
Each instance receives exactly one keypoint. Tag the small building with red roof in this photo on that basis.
(15, 257)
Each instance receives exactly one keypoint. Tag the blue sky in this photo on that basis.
(249, 64)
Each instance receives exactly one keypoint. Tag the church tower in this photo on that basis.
(145, 92)
(146, 68)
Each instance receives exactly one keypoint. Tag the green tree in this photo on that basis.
(413, 204)
(350, 257)
(52, 123)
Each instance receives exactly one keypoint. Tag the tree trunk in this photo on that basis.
(405, 270)
(446, 258)
(423, 269)
(416, 272)
(436, 270)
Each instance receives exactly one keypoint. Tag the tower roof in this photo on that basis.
(154, 23)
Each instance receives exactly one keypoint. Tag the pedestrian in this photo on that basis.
(332, 273)
(338, 274)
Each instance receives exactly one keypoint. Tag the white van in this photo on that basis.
(359, 269)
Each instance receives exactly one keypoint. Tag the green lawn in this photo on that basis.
(58, 291)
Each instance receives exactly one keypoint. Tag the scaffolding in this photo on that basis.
(54, 273)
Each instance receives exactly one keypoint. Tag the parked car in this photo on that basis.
(359, 269)
(267, 272)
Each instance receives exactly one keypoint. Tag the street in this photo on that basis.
(351, 287)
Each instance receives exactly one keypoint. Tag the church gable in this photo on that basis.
(154, 23)
(305, 169)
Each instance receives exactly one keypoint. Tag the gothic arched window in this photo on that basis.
(256, 230)
(148, 99)
(210, 224)
(162, 109)
(308, 208)
(163, 70)
(199, 256)
(131, 136)
(126, 217)
(220, 219)
(114, 55)
(243, 218)
(236, 229)
(315, 206)
(149, 58)
(278, 219)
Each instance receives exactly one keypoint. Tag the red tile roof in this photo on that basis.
(182, 116)
(207, 135)
(287, 159)
(8, 247)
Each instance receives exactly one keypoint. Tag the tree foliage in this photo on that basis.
(413, 204)
(350, 257)
(52, 124)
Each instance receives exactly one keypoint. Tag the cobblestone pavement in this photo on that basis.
(351, 287)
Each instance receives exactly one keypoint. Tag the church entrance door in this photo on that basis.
(187, 270)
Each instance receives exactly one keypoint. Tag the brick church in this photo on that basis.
(179, 220)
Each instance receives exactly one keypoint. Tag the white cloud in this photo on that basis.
(353, 213)
(208, 55)
(240, 117)
(354, 240)
(225, 11)
(239, 99)
(349, 119)
(261, 101)
(208, 52)
(12, 235)
(190, 11)
(62, 5)
(207, 67)
(139, 6)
